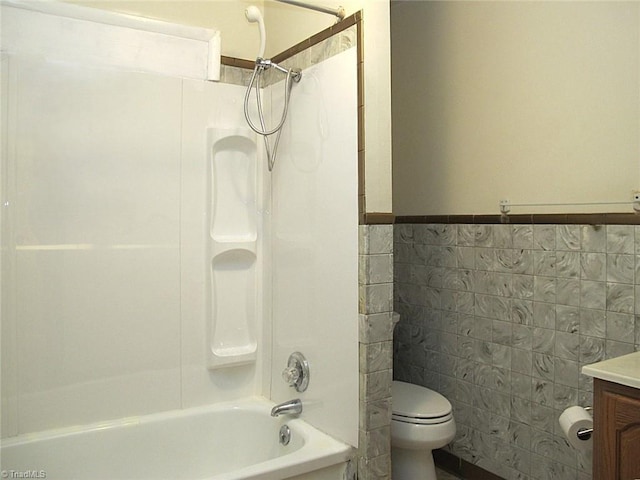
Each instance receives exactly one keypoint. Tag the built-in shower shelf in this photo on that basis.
(232, 248)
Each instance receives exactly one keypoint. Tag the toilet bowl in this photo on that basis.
(421, 421)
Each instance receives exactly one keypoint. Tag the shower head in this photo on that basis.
(254, 16)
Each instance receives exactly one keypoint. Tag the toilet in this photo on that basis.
(421, 421)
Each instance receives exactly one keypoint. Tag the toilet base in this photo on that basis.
(412, 464)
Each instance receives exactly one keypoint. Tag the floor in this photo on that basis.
(442, 475)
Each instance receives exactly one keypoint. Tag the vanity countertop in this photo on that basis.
(624, 370)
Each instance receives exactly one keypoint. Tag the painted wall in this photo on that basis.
(528, 101)
(240, 38)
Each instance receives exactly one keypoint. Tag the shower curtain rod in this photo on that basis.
(338, 12)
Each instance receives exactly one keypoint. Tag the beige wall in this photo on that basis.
(287, 25)
(239, 37)
(528, 101)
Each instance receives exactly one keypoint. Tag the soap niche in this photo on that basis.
(233, 235)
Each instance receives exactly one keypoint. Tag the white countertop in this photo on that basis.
(624, 370)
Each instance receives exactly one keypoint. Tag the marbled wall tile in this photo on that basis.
(544, 315)
(620, 298)
(593, 266)
(521, 385)
(380, 239)
(494, 307)
(522, 312)
(376, 327)
(521, 410)
(521, 361)
(620, 268)
(567, 318)
(522, 262)
(376, 385)
(594, 238)
(544, 237)
(466, 234)
(620, 239)
(489, 376)
(522, 337)
(504, 260)
(567, 346)
(502, 236)
(543, 468)
(593, 294)
(615, 349)
(376, 356)
(549, 289)
(465, 257)
(522, 236)
(542, 417)
(544, 263)
(568, 291)
(592, 349)
(592, 322)
(564, 396)
(375, 442)
(542, 394)
(568, 264)
(543, 366)
(483, 235)
(620, 327)
(485, 259)
(375, 414)
(403, 232)
(543, 340)
(376, 298)
(566, 371)
(376, 268)
(544, 289)
(522, 286)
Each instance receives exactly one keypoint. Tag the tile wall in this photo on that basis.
(501, 318)
(376, 333)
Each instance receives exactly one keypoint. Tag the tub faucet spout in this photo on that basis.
(290, 407)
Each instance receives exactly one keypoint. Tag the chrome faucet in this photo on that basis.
(290, 407)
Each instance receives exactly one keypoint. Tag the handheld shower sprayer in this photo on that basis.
(293, 75)
(254, 16)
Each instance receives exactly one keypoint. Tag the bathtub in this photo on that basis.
(230, 441)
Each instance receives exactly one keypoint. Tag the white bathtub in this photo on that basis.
(229, 441)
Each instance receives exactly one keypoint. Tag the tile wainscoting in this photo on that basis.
(500, 319)
(376, 334)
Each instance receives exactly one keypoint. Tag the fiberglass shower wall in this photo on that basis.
(108, 225)
(136, 226)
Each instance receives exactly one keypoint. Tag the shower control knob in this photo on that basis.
(296, 374)
(290, 375)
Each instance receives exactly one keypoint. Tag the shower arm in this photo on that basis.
(264, 63)
(337, 12)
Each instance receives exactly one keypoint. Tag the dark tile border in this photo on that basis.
(237, 62)
(541, 218)
(461, 468)
(319, 37)
(378, 219)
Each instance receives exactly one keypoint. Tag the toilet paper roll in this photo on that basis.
(572, 420)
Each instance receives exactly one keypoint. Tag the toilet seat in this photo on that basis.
(418, 405)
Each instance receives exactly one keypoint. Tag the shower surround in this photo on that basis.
(500, 319)
(116, 235)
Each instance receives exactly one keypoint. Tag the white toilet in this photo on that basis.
(421, 422)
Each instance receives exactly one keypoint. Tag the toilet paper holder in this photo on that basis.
(585, 433)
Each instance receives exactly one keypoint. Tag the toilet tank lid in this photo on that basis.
(416, 401)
